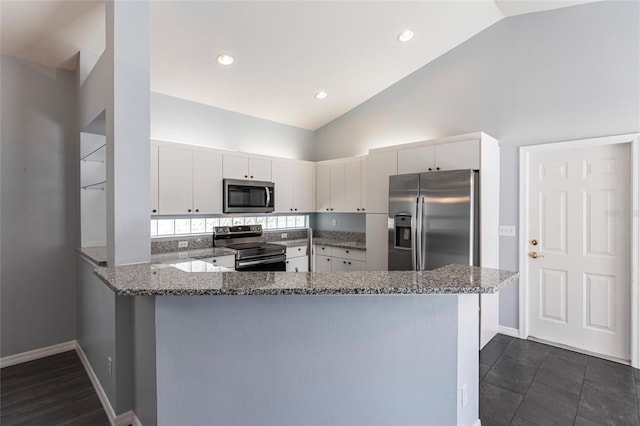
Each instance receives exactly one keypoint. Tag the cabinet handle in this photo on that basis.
(322, 248)
(346, 251)
(246, 176)
(358, 209)
(299, 249)
(344, 261)
(290, 210)
(154, 211)
(327, 209)
(215, 260)
(437, 168)
(349, 263)
(251, 177)
(189, 210)
(363, 209)
(287, 261)
(328, 259)
(295, 209)
(197, 210)
(430, 169)
(331, 208)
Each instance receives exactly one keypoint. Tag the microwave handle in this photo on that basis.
(266, 188)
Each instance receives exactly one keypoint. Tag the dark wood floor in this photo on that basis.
(527, 383)
(49, 391)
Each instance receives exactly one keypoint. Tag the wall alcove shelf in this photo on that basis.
(98, 155)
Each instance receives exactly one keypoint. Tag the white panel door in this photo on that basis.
(259, 169)
(458, 155)
(416, 160)
(154, 179)
(297, 264)
(235, 167)
(283, 180)
(338, 192)
(303, 188)
(578, 286)
(322, 263)
(339, 265)
(175, 180)
(353, 185)
(207, 182)
(323, 188)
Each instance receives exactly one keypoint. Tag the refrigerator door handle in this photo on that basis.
(418, 234)
(414, 227)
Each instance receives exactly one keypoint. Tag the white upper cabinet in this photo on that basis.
(207, 182)
(303, 187)
(353, 181)
(175, 180)
(283, 179)
(154, 179)
(458, 155)
(323, 187)
(337, 184)
(380, 165)
(416, 160)
(244, 167)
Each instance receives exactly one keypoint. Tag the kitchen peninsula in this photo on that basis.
(383, 347)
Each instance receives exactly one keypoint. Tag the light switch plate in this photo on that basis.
(334, 222)
(507, 231)
(283, 235)
(183, 244)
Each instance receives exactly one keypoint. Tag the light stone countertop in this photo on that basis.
(191, 254)
(96, 255)
(149, 279)
(354, 245)
(290, 243)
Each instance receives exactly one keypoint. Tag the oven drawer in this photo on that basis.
(271, 263)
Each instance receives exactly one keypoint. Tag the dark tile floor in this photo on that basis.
(528, 383)
(49, 391)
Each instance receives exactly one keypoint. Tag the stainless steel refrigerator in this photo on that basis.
(433, 220)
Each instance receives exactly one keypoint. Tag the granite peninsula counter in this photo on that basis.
(334, 348)
(161, 280)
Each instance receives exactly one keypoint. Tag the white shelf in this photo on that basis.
(98, 155)
(100, 185)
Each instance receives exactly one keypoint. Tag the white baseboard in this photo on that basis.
(477, 423)
(126, 419)
(10, 360)
(102, 396)
(509, 331)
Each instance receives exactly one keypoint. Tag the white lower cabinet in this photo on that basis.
(337, 259)
(298, 264)
(226, 261)
(322, 263)
(297, 259)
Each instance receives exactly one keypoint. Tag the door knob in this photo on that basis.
(535, 255)
(534, 242)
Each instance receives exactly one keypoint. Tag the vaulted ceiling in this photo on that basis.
(284, 51)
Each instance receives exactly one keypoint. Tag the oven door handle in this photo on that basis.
(241, 264)
(266, 188)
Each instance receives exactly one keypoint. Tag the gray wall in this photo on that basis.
(144, 361)
(40, 186)
(97, 326)
(183, 121)
(351, 222)
(565, 74)
(292, 360)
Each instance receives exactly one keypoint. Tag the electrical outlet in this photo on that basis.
(283, 235)
(183, 244)
(464, 396)
(109, 365)
(334, 222)
(507, 231)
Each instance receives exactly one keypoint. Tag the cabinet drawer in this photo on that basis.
(226, 261)
(322, 264)
(298, 264)
(349, 254)
(296, 251)
(323, 250)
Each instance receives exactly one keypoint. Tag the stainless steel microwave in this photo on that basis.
(247, 196)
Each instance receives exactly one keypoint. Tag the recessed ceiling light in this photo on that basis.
(321, 94)
(406, 35)
(224, 59)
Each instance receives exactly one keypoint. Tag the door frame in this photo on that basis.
(523, 289)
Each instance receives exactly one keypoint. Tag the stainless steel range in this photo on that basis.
(253, 253)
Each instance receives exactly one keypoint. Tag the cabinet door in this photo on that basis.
(259, 169)
(298, 264)
(458, 155)
(207, 182)
(303, 188)
(323, 263)
(226, 261)
(380, 165)
(323, 188)
(154, 179)
(416, 160)
(339, 265)
(357, 265)
(352, 185)
(283, 179)
(337, 182)
(235, 167)
(175, 180)
(377, 242)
